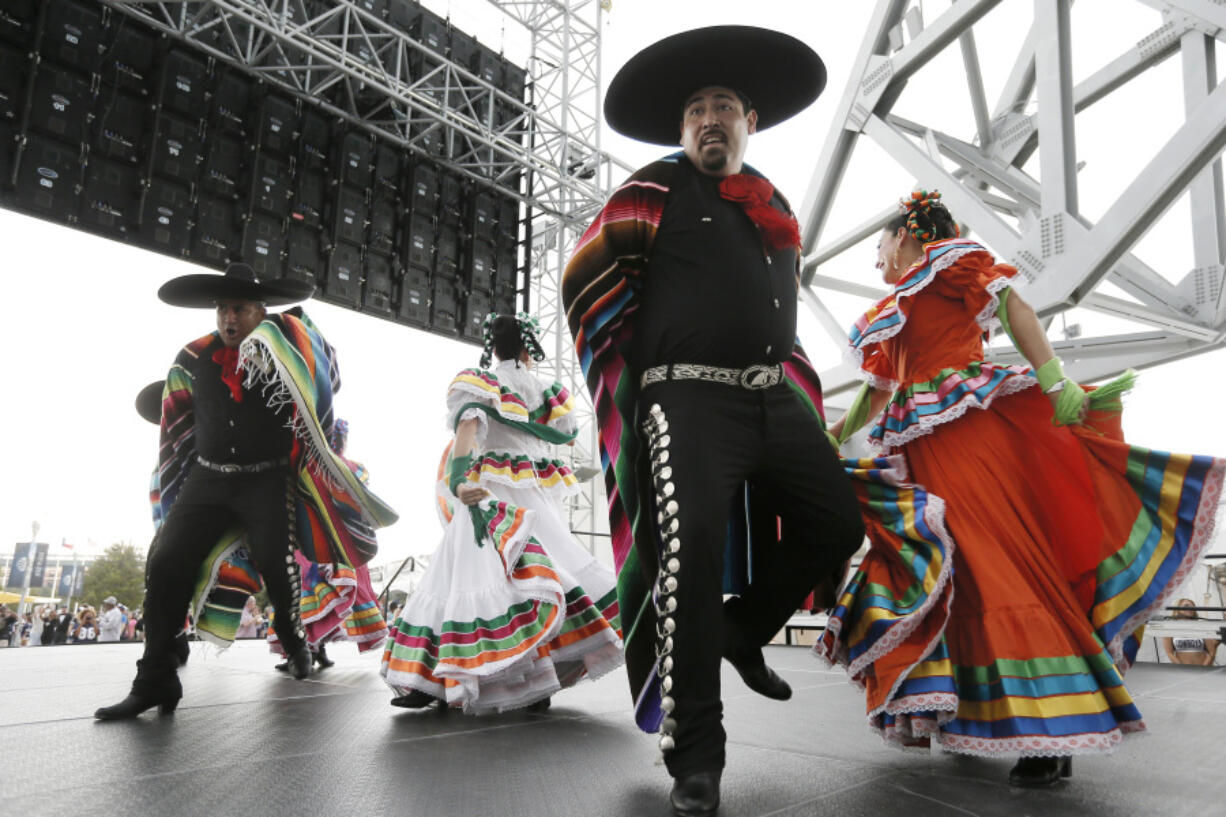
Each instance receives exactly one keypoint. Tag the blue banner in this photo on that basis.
(66, 586)
(38, 577)
(21, 563)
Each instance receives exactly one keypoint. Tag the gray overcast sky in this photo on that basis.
(85, 331)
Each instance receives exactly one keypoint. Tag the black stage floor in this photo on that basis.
(248, 741)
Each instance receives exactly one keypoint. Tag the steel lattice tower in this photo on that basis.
(1034, 222)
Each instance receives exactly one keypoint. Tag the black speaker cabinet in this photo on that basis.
(166, 217)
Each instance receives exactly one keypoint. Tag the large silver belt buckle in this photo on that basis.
(759, 376)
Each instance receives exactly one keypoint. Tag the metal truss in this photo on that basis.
(362, 69)
(566, 79)
(1034, 223)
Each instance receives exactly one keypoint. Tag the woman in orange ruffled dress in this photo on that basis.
(1012, 640)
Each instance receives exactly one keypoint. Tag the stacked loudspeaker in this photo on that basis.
(111, 127)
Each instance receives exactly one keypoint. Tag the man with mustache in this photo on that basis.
(244, 416)
(681, 297)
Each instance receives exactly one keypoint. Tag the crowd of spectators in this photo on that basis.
(47, 625)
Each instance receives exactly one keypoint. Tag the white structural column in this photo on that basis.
(566, 81)
(1054, 85)
(1034, 221)
(1208, 222)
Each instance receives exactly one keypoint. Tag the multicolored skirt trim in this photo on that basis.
(225, 583)
(556, 401)
(338, 604)
(1041, 667)
(910, 570)
(501, 625)
(550, 475)
(919, 408)
(1062, 705)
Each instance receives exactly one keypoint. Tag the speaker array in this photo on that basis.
(110, 127)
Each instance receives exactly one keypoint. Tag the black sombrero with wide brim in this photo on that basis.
(779, 73)
(204, 290)
(149, 402)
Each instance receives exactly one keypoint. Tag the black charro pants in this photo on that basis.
(717, 438)
(208, 504)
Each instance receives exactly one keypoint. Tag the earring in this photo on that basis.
(894, 257)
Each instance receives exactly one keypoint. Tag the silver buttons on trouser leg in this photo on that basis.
(291, 570)
(656, 427)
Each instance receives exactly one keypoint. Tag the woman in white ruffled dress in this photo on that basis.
(512, 608)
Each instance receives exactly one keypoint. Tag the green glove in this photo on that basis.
(1069, 403)
(1050, 373)
(457, 475)
(1071, 396)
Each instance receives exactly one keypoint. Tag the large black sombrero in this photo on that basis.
(203, 290)
(149, 402)
(780, 75)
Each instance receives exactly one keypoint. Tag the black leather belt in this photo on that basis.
(754, 378)
(244, 468)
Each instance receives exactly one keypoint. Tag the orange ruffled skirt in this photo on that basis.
(1013, 637)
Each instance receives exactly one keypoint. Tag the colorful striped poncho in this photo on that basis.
(600, 294)
(336, 514)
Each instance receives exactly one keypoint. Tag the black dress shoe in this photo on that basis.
(300, 662)
(757, 676)
(539, 706)
(695, 795)
(282, 667)
(321, 658)
(1039, 772)
(414, 700)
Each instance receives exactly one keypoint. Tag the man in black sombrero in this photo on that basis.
(244, 415)
(681, 297)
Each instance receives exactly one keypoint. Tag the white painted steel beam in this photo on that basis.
(1121, 308)
(931, 174)
(1054, 87)
(1208, 219)
(1197, 143)
(832, 162)
(1034, 221)
(1208, 13)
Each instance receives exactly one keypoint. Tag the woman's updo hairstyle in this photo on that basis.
(508, 343)
(509, 336)
(925, 218)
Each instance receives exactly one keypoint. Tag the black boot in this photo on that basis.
(695, 795)
(322, 659)
(414, 700)
(1039, 772)
(763, 680)
(300, 662)
(156, 684)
